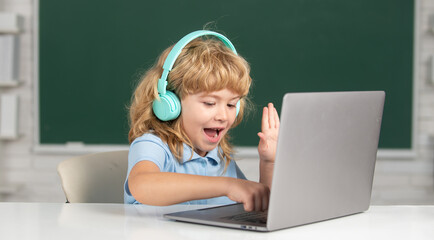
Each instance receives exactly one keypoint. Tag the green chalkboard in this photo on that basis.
(91, 54)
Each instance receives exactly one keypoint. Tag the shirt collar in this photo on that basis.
(212, 155)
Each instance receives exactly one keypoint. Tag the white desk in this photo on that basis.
(117, 221)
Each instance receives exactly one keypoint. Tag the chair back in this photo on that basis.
(94, 178)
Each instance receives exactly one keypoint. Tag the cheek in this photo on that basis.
(190, 123)
(233, 117)
(191, 108)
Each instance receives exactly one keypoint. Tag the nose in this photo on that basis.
(221, 113)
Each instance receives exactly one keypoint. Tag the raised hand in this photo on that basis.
(268, 135)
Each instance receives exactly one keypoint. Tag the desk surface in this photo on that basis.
(117, 221)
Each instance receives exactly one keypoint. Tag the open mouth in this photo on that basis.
(213, 134)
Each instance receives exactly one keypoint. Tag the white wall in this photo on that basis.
(30, 177)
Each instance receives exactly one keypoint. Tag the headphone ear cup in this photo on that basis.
(238, 107)
(168, 107)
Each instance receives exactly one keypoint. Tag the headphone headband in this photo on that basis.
(168, 106)
(176, 50)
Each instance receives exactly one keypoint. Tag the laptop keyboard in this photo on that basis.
(252, 217)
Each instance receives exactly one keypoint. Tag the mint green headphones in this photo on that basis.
(168, 107)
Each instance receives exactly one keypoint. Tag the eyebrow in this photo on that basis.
(217, 96)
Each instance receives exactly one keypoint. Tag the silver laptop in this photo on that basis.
(324, 167)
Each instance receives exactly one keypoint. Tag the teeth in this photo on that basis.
(215, 135)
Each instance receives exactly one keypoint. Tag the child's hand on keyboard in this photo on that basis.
(253, 195)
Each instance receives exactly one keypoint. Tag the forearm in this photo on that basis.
(266, 172)
(163, 188)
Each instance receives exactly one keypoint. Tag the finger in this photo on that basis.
(276, 118)
(262, 146)
(262, 136)
(265, 123)
(248, 205)
(271, 116)
(258, 202)
(265, 200)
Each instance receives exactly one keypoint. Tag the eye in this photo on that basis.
(209, 103)
(231, 105)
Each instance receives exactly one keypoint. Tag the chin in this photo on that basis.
(209, 148)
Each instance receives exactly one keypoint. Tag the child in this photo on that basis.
(188, 158)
